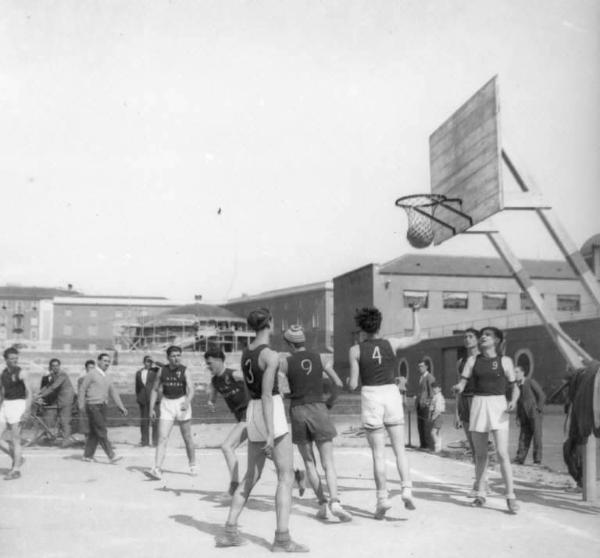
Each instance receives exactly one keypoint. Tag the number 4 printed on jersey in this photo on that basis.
(376, 355)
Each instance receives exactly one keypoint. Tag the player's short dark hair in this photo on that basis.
(147, 358)
(259, 319)
(368, 319)
(89, 362)
(173, 349)
(425, 362)
(102, 355)
(497, 332)
(474, 331)
(10, 351)
(214, 352)
(435, 384)
(52, 360)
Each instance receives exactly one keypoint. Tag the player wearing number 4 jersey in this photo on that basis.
(310, 417)
(267, 436)
(374, 362)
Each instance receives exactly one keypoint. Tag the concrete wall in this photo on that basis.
(352, 290)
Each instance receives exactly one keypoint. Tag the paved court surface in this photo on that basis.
(63, 507)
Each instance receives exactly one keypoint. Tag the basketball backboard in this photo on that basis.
(465, 163)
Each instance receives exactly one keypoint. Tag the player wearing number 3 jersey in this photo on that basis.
(267, 436)
(374, 362)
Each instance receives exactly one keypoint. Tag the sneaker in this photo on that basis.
(12, 475)
(408, 502)
(193, 471)
(323, 512)
(87, 459)
(478, 502)
(382, 507)
(288, 546)
(513, 505)
(300, 478)
(115, 459)
(154, 474)
(229, 538)
(339, 512)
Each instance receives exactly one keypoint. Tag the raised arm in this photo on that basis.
(399, 343)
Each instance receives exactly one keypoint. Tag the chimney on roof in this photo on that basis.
(198, 297)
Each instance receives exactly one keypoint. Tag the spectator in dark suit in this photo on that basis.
(422, 403)
(144, 380)
(530, 407)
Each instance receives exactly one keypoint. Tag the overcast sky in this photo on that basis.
(125, 126)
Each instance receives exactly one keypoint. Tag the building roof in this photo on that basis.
(199, 310)
(35, 293)
(299, 289)
(114, 301)
(471, 266)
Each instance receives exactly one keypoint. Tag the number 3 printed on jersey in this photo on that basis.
(248, 371)
(306, 365)
(376, 355)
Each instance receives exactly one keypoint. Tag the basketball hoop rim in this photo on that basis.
(421, 200)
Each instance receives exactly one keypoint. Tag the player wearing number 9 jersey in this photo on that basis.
(374, 362)
(310, 418)
(267, 436)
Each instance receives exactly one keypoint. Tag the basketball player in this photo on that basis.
(174, 382)
(16, 402)
(267, 436)
(374, 361)
(233, 390)
(492, 373)
(310, 417)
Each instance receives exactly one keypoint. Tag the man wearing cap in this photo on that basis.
(310, 417)
(144, 380)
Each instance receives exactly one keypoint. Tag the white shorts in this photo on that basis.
(257, 431)
(12, 411)
(170, 409)
(488, 412)
(381, 406)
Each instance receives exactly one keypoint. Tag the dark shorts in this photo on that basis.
(240, 414)
(464, 407)
(311, 423)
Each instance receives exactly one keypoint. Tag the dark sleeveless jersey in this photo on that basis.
(232, 390)
(468, 391)
(305, 376)
(488, 376)
(173, 381)
(13, 385)
(377, 362)
(253, 374)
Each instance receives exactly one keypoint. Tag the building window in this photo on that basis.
(568, 303)
(315, 320)
(33, 322)
(92, 330)
(34, 334)
(494, 301)
(67, 330)
(68, 313)
(402, 369)
(455, 300)
(416, 297)
(93, 313)
(526, 302)
(524, 359)
(92, 347)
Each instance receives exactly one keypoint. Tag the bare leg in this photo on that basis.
(234, 439)
(469, 439)
(283, 458)
(376, 441)
(308, 456)
(501, 441)
(397, 439)
(256, 462)
(326, 454)
(164, 431)
(185, 427)
(480, 442)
